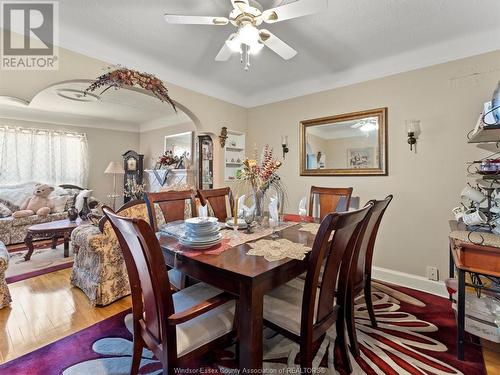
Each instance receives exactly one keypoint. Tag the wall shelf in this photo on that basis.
(490, 134)
(234, 150)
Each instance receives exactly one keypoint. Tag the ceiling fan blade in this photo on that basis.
(297, 9)
(224, 53)
(196, 20)
(240, 4)
(277, 45)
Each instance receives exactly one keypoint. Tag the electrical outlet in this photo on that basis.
(432, 273)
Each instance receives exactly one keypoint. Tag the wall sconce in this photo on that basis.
(284, 144)
(223, 136)
(413, 130)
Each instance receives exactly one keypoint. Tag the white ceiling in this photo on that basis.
(115, 109)
(353, 41)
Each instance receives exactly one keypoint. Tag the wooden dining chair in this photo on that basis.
(217, 200)
(177, 327)
(171, 203)
(305, 310)
(329, 199)
(360, 274)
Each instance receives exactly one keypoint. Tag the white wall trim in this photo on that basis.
(410, 281)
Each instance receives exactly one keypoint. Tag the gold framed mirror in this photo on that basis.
(351, 144)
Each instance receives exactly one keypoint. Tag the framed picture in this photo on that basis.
(361, 157)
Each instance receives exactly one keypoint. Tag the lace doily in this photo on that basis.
(310, 227)
(278, 249)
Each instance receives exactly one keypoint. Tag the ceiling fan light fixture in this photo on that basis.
(248, 34)
(256, 48)
(234, 43)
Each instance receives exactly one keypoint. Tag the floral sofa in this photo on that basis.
(14, 231)
(4, 289)
(99, 268)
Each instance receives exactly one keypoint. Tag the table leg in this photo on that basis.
(66, 244)
(451, 271)
(54, 241)
(461, 314)
(250, 326)
(28, 241)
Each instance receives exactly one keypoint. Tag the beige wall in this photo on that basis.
(447, 99)
(101, 152)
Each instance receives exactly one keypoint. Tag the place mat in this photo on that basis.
(231, 239)
(298, 218)
(310, 227)
(273, 250)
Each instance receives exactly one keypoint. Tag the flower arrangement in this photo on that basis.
(121, 77)
(168, 159)
(261, 176)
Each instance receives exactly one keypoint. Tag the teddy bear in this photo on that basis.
(38, 204)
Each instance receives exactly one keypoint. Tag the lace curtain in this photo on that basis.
(42, 155)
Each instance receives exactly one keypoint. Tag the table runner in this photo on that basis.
(231, 239)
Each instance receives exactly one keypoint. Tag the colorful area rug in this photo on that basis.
(416, 335)
(43, 260)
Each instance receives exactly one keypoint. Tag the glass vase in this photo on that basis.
(85, 211)
(258, 198)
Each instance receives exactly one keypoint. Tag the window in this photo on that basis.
(42, 155)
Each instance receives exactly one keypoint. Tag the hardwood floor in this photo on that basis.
(47, 308)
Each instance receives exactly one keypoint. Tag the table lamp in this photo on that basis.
(114, 168)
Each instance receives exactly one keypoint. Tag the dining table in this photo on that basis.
(247, 277)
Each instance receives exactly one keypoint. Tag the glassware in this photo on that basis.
(258, 197)
(302, 213)
(273, 224)
(249, 218)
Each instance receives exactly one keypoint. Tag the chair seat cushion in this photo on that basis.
(283, 306)
(205, 328)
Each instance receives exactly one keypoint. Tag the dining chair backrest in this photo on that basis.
(172, 205)
(362, 260)
(217, 198)
(336, 256)
(149, 283)
(328, 200)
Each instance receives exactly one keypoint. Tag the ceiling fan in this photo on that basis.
(247, 16)
(366, 125)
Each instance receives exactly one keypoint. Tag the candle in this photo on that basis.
(235, 214)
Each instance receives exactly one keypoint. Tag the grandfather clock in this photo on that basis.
(133, 164)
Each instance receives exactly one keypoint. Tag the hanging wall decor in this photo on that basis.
(122, 77)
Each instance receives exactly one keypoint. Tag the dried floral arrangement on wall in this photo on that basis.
(122, 77)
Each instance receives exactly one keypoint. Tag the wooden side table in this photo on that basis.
(53, 229)
(475, 259)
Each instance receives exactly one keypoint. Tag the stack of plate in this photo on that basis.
(201, 233)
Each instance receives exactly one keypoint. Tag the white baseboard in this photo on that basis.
(410, 281)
